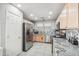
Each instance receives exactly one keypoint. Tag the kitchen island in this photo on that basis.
(61, 47)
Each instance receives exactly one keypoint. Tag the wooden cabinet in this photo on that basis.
(69, 16)
(63, 23)
(63, 18)
(38, 38)
(72, 15)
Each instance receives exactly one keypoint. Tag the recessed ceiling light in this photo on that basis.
(49, 17)
(31, 15)
(19, 5)
(36, 18)
(50, 12)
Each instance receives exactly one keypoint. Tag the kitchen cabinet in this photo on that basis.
(61, 47)
(63, 18)
(69, 17)
(39, 38)
(63, 23)
(72, 15)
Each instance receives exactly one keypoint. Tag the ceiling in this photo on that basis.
(40, 11)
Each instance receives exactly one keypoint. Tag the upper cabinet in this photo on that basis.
(69, 16)
(72, 15)
(63, 18)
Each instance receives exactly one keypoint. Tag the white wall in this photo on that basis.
(27, 21)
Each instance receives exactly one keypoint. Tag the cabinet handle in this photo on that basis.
(42, 38)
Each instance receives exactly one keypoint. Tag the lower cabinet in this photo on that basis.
(38, 38)
(60, 47)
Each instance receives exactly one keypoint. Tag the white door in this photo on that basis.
(13, 34)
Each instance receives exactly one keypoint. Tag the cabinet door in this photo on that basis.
(13, 34)
(63, 18)
(63, 22)
(73, 15)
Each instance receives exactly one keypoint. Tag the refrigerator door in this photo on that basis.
(27, 43)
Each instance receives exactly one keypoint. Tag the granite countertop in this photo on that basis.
(70, 50)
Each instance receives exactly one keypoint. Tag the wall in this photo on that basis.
(45, 25)
(27, 21)
(47, 28)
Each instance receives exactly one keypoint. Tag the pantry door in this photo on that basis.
(13, 34)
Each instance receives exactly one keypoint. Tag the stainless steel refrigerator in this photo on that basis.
(27, 34)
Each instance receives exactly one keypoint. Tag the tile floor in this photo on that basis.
(38, 49)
